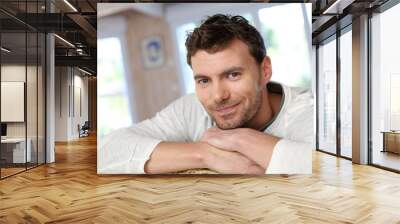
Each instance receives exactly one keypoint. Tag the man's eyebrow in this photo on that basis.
(225, 72)
(233, 69)
(200, 76)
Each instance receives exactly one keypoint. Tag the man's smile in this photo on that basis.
(227, 109)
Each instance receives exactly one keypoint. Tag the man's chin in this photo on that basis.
(226, 125)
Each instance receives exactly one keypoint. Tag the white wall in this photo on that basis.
(80, 83)
(61, 103)
(178, 14)
(33, 126)
(107, 9)
(66, 101)
(12, 73)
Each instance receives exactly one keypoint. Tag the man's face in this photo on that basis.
(229, 84)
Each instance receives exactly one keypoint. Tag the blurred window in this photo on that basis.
(113, 106)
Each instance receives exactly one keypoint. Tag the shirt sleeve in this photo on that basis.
(293, 153)
(126, 150)
(291, 157)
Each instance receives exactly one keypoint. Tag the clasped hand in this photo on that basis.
(227, 152)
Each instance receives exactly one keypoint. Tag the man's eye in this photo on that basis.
(202, 81)
(233, 75)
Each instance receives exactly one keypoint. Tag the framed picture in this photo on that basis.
(153, 52)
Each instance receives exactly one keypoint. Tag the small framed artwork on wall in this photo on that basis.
(153, 52)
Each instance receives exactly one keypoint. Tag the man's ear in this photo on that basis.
(266, 70)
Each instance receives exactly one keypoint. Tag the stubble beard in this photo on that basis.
(246, 117)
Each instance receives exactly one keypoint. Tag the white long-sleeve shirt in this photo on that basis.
(126, 150)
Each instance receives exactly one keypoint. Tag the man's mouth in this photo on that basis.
(227, 109)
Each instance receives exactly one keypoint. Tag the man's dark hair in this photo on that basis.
(217, 31)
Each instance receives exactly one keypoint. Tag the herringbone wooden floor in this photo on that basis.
(70, 191)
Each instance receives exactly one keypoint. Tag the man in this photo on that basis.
(238, 122)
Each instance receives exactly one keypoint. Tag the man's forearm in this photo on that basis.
(170, 157)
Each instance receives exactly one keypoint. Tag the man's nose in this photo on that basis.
(221, 93)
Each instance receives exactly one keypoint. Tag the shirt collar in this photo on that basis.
(274, 87)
